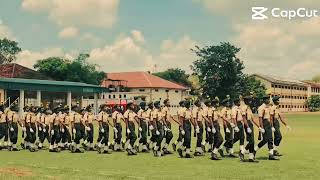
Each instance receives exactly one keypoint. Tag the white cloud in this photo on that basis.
(5, 32)
(29, 58)
(91, 13)
(137, 36)
(89, 38)
(68, 32)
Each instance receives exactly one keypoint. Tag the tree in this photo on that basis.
(8, 50)
(176, 75)
(316, 79)
(219, 70)
(314, 103)
(78, 70)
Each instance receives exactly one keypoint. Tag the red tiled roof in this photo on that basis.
(14, 70)
(143, 80)
(313, 84)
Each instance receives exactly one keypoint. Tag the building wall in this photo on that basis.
(2, 95)
(293, 96)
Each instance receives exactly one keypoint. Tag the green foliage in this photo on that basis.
(314, 103)
(8, 50)
(219, 70)
(176, 75)
(78, 70)
(316, 79)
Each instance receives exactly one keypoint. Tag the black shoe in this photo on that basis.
(180, 152)
(198, 154)
(241, 156)
(276, 153)
(214, 157)
(253, 161)
(174, 147)
(106, 152)
(78, 150)
(221, 152)
(123, 144)
(144, 150)
(272, 157)
(166, 151)
(100, 150)
(203, 147)
(22, 145)
(232, 156)
(209, 150)
(32, 149)
(188, 156)
(14, 149)
(136, 147)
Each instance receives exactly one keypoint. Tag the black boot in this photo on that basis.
(241, 156)
(272, 157)
(174, 147)
(214, 157)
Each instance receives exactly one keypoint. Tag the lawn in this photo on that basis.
(300, 147)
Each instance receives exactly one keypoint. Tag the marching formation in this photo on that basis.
(147, 127)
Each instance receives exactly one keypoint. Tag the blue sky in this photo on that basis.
(129, 35)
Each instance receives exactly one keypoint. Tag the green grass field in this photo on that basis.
(300, 147)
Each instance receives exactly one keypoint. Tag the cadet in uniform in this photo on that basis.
(248, 115)
(117, 127)
(167, 125)
(46, 120)
(180, 114)
(240, 122)
(88, 118)
(55, 129)
(25, 144)
(40, 116)
(276, 116)
(217, 137)
(3, 124)
(186, 126)
(228, 128)
(158, 128)
(32, 128)
(131, 117)
(204, 113)
(143, 129)
(265, 122)
(13, 119)
(77, 129)
(152, 140)
(103, 139)
(198, 121)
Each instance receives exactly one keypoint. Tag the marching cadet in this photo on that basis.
(13, 120)
(240, 123)
(276, 116)
(45, 121)
(186, 131)
(65, 137)
(228, 126)
(204, 113)
(158, 127)
(40, 116)
(266, 125)
(217, 137)
(198, 121)
(88, 118)
(152, 140)
(117, 127)
(131, 117)
(248, 115)
(55, 129)
(179, 142)
(77, 129)
(25, 144)
(31, 120)
(167, 125)
(143, 129)
(3, 124)
(103, 138)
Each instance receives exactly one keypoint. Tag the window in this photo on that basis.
(156, 90)
(124, 96)
(109, 96)
(176, 91)
(167, 90)
(272, 85)
(120, 96)
(114, 96)
(141, 90)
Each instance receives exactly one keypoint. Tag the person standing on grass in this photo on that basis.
(103, 138)
(88, 119)
(249, 129)
(217, 137)
(13, 120)
(186, 131)
(131, 117)
(32, 128)
(55, 130)
(198, 122)
(143, 129)
(266, 126)
(277, 116)
(167, 118)
(157, 117)
(205, 110)
(77, 129)
(117, 127)
(180, 114)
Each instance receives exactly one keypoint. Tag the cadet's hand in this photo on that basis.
(236, 129)
(115, 129)
(213, 130)
(232, 125)
(44, 125)
(151, 127)
(197, 129)
(273, 129)
(88, 128)
(262, 130)
(288, 127)
(227, 130)
(102, 130)
(183, 132)
(157, 132)
(128, 131)
(249, 130)
(140, 129)
(11, 129)
(208, 129)
(31, 130)
(40, 129)
(74, 131)
(52, 132)
(44, 130)
(24, 129)
(62, 130)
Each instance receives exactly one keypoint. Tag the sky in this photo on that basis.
(152, 35)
